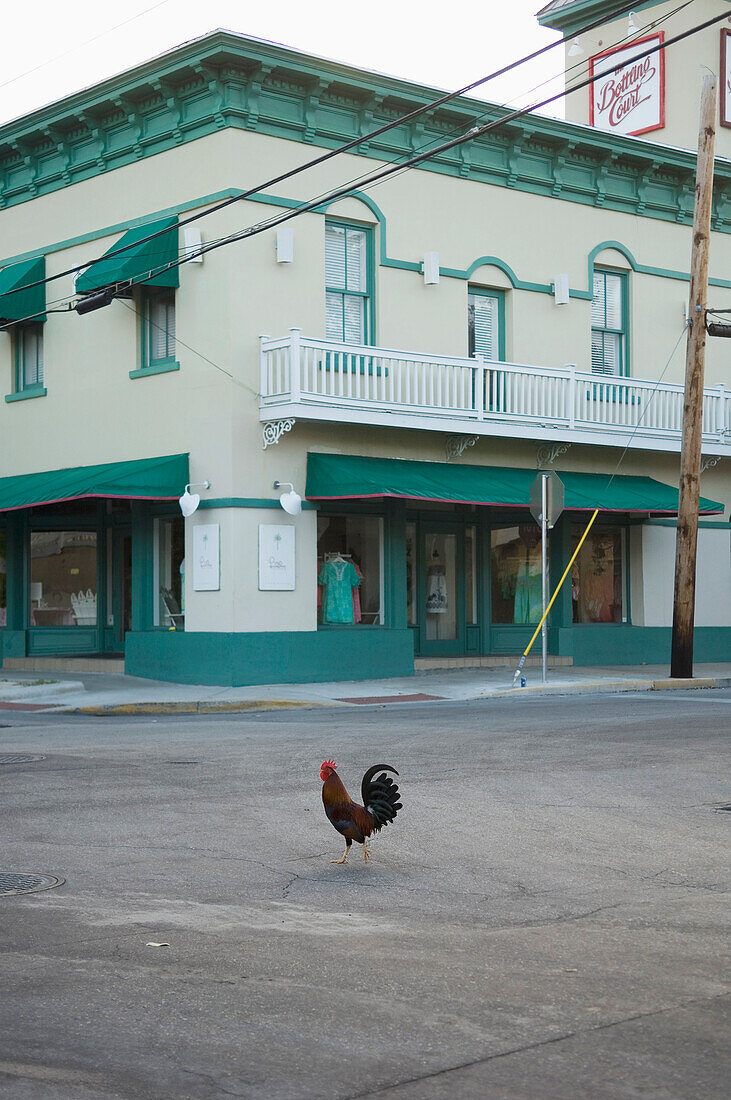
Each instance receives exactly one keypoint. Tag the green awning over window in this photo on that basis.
(349, 477)
(18, 301)
(143, 479)
(143, 261)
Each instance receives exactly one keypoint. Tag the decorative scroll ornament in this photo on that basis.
(458, 444)
(549, 452)
(711, 460)
(275, 429)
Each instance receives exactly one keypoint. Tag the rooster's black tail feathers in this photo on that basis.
(380, 794)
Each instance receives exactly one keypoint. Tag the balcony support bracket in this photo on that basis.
(275, 429)
(549, 452)
(458, 444)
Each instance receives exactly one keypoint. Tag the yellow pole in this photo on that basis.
(553, 597)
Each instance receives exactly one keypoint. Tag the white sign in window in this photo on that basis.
(630, 101)
(276, 557)
(725, 77)
(207, 557)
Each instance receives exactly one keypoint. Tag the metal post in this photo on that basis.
(544, 575)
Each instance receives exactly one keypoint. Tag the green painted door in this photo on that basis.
(441, 590)
(121, 590)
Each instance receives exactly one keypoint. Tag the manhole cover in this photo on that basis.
(25, 882)
(20, 757)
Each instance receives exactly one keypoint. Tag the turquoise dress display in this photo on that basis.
(338, 579)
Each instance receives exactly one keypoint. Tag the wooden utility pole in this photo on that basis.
(686, 543)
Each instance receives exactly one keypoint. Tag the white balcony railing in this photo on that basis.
(324, 380)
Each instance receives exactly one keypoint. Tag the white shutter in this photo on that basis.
(486, 326)
(334, 316)
(605, 352)
(354, 319)
(613, 296)
(356, 259)
(162, 326)
(599, 305)
(335, 256)
(31, 337)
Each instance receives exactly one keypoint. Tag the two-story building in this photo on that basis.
(404, 358)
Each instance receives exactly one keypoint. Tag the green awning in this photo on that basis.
(18, 301)
(142, 479)
(349, 477)
(143, 261)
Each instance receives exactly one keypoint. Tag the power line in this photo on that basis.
(470, 135)
(361, 140)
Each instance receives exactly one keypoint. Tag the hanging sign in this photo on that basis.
(276, 557)
(207, 557)
(725, 77)
(630, 101)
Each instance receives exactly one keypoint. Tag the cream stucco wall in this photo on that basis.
(713, 580)
(686, 63)
(94, 412)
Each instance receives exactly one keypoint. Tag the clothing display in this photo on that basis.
(528, 607)
(338, 578)
(436, 590)
(357, 617)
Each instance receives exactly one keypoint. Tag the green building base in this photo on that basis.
(292, 657)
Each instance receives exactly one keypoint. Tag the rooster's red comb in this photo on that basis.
(329, 764)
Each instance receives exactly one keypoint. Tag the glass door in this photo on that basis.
(442, 591)
(119, 597)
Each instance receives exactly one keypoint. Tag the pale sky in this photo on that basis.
(53, 48)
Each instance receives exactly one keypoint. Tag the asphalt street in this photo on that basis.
(547, 918)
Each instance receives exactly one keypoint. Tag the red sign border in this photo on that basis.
(725, 101)
(619, 49)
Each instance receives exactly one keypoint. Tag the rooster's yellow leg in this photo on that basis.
(343, 860)
(366, 853)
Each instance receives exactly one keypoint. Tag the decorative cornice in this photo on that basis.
(227, 80)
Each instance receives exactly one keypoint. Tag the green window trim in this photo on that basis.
(362, 292)
(610, 323)
(497, 300)
(157, 332)
(27, 394)
(28, 359)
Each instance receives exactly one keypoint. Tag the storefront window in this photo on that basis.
(170, 572)
(349, 570)
(516, 574)
(441, 587)
(63, 574)
(411, 604)
(3, 579)
(598, 576)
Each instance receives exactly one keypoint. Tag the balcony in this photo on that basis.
(323, 380)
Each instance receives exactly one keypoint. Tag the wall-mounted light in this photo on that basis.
(291, 501)
(192, 244)
(430, 267)
(575, 49)
(632, 27)
(284, 244)
(190, 501)
(561, 292)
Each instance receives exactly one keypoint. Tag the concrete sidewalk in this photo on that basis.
(110, 693)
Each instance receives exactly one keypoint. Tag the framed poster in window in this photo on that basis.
(276, 557)
(726, 77)
(630, 101)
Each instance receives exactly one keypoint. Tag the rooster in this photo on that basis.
(381, 804)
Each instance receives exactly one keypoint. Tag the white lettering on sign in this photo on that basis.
(630, 98)
(725, 77)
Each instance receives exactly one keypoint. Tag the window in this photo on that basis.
(485, 336)
(3, 579)
(63, 572)
(349, 571)
(608, 323)
(516, 574)
(169, 578)
(158, 327)
(598, 587)
(348, 269)
(28, 358)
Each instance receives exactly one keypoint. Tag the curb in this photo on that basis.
(103, 710)
(615, 687)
